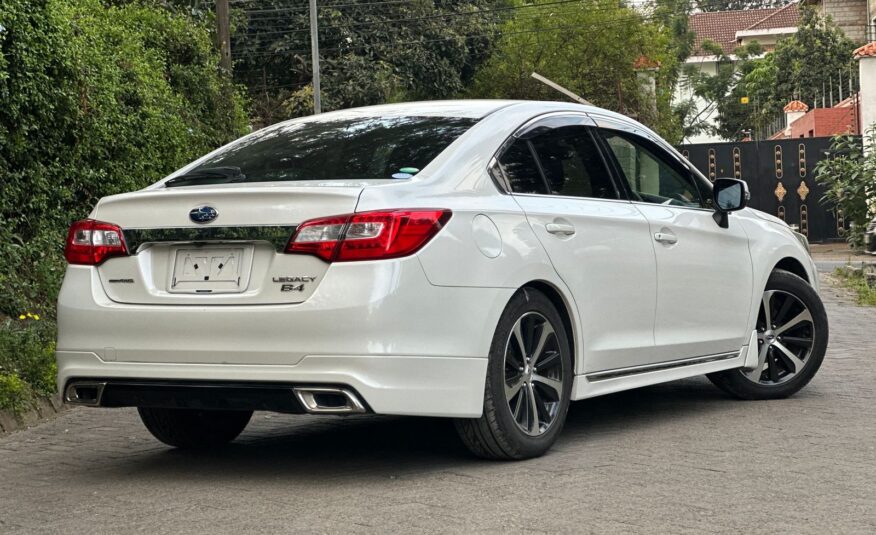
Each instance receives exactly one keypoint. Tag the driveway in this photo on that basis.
(674, 458)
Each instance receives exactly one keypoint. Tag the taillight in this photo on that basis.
(90, 242)
(368, 235)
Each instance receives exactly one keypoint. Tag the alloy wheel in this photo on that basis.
(785, 336)
(533, 374)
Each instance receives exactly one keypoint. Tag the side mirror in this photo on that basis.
(729, 195)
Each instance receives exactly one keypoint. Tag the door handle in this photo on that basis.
(560, 228)
(666, 237)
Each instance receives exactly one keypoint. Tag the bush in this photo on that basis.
(27, 350)
(96, 100)
(14, 393)
(849, 177)
(27, 361)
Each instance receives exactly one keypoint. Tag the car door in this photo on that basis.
(704, 272)
(598, 243)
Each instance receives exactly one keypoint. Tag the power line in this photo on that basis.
(604, 25)
(461, 14)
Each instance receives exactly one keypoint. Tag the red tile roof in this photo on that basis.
(796, 105)
(786, 17)
(866, 51)
(721, 26)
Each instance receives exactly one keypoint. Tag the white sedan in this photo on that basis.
(489, 261)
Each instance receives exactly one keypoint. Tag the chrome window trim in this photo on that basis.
(277, 235)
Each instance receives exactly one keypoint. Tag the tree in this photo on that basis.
(590, 47)
(722, 92)
(803, 67)
(96, 100)
(370, 52)
(849, 177)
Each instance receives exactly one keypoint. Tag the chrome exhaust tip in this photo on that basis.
(87, 393)
(329, 400)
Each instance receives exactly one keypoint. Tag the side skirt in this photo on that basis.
(609, 381)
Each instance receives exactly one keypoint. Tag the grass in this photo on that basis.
(856, 280)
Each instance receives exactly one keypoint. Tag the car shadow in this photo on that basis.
(305, 448)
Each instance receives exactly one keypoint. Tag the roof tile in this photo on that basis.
(721, 26)
(866, 51)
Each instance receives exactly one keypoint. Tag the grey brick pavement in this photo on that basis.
(675, 458)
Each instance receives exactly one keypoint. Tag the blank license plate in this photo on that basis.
(207, 270)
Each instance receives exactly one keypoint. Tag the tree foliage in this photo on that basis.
(803, 66)
(370, 52)
(849, 178)
(591, 48)
(96, 100)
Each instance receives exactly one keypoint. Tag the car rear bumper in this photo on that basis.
(405, 385)
(380, 328)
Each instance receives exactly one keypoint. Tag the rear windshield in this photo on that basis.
(343, 149)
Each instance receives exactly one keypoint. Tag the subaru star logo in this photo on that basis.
(203, 214)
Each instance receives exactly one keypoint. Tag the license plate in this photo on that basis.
(207, 270)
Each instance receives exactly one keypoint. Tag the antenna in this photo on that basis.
(561, 89)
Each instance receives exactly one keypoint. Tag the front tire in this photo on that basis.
(194, 429)
(528, 385)
(792, 339)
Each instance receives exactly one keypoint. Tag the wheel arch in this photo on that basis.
(564, 307)
(794, 266)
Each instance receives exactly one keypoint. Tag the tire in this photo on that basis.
(194, 429)
(741, 384)
(498, 434)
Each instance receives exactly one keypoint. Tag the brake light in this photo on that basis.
(368, 235)
(90, 242)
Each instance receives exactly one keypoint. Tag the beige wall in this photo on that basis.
(850, 15)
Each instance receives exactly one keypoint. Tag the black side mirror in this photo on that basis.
(729, 195)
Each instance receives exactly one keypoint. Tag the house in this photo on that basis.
(730, 30)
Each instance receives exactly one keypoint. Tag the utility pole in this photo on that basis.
(314, 53)
(223, 35)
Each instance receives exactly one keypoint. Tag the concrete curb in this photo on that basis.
(42, 409)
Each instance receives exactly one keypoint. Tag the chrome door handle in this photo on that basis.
(560, 228)
(665, 237)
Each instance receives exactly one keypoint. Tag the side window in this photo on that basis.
(650, 175)
(519, 167)
(572, 163)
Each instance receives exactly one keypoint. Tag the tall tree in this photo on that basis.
(600, 49)
(370, 52)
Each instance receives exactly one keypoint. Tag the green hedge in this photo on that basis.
(95, 99)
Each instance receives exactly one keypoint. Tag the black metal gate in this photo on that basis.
(780, 176)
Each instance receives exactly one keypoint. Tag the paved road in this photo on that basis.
(676, 458)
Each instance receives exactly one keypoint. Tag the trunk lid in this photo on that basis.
(235, 257)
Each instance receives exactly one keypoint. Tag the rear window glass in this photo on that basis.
(344, 149)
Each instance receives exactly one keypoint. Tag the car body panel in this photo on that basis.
(412, 335)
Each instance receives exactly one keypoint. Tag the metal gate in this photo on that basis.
(780, 176)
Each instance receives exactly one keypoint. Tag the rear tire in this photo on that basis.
(528, 384)
(789, 354)
(194, 429)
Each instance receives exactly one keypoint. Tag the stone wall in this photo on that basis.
(850, 15)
